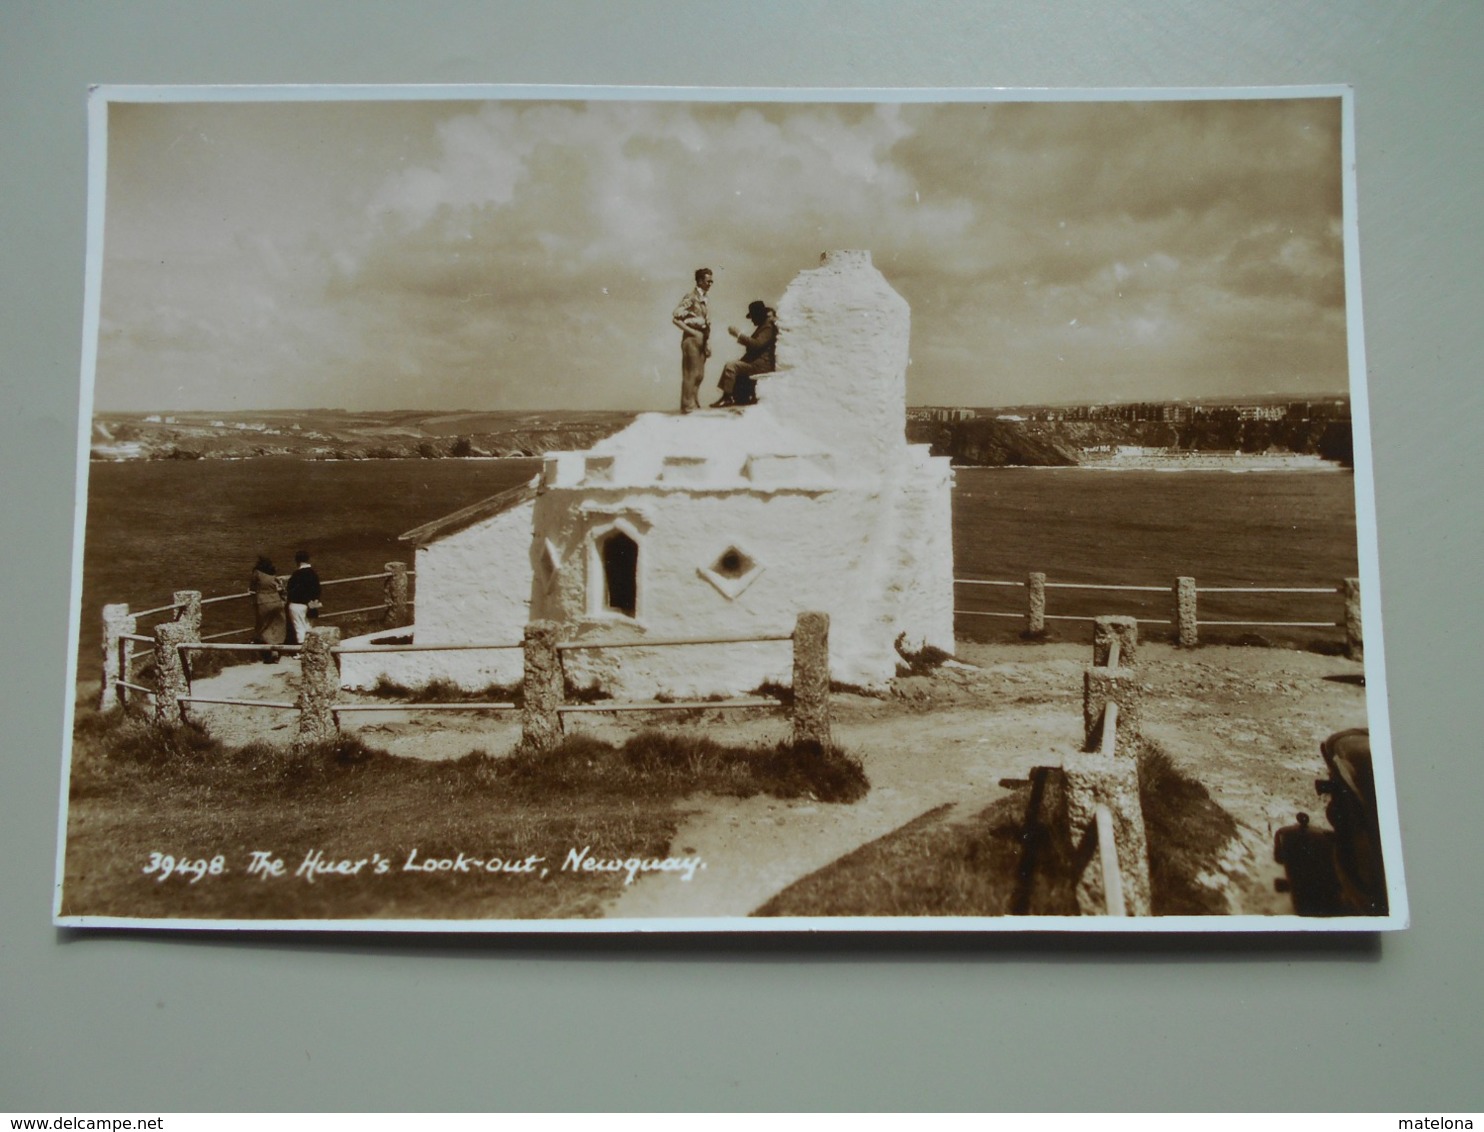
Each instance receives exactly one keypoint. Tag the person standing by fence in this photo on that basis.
(303, 595)
(267, 590)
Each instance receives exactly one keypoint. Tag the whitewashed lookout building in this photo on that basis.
(723, 523)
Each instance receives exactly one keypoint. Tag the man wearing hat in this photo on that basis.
(759, 352)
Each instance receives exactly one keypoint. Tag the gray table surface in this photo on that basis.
(136, 1022)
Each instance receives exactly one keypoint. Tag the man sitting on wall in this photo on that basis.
(738, 384)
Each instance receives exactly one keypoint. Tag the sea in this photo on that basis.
(154, 527)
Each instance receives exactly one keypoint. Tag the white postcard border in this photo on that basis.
(103, 95)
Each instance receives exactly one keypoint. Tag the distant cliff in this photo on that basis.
(325, 434)
(989, 442)
(334, 435)
(983, 442)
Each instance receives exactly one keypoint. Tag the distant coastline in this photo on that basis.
(328, 434)
(1178, 460)
(982, 441)
(1159, 436)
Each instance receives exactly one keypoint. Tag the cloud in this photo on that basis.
(556, 238)
(528, 254)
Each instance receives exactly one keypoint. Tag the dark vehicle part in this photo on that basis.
(1337, 871)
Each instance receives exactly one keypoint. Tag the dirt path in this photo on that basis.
(756, 847)
(417, 735)
(1247, 722)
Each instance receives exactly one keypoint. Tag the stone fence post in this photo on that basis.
(1106, 771)
(116, 653)
(319, 685)
(188, 610)
(1035, 610)
(1354, 635)
(1102, 686)
(395, 591)
(1185, 612)
(1106, 630)
(171, 679)
(812, 679)
(1093, 780)
(544, 687)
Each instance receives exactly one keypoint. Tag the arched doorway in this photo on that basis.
(620, 556)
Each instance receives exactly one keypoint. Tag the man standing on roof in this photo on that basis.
(694, 320)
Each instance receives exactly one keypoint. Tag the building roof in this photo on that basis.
(833, 409)
(726, 437)
(474, 513)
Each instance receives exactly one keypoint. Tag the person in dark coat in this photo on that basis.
(738, 379)
(268, 608)
(302, 591)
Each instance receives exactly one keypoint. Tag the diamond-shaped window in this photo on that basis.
(732, 572)
(733, 563)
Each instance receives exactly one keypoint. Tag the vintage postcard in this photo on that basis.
(566, 509)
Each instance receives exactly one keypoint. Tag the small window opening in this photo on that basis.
(621, 573)
(732, 563)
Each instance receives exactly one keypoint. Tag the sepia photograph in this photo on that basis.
(565, 509)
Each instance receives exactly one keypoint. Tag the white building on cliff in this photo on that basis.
(720, 523)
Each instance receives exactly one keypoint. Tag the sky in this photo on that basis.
(528, 254)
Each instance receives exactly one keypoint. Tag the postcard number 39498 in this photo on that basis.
(167, 866)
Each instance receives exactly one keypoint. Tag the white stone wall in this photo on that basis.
(919, 582)
(808, 551)
(472, 586)
(815, 486)
(843, 347)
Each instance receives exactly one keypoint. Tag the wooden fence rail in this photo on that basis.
(463, 646)
(1108, 856)
(1185, 594)
(320, 707)
(121, 625)
(1103, 779)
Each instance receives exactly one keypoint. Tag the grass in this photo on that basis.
(1010, 858)
(447, 692)
(138, 789)
(666, 765)
(919, 662)
(583, 693)
(947, 863)
(1187, 833)
(1334, 645)
(1323, 646)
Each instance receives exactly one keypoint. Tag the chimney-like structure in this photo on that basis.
(843, 337)
(718, 528)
